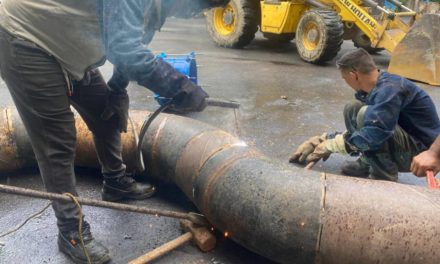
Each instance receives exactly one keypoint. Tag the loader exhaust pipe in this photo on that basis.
(284, 213)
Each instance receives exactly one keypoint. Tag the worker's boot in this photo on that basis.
(70, 244)
(357, 168)
(125, 188)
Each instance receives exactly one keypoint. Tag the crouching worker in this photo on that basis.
(392, 121)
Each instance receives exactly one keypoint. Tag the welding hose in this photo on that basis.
(144, 128)
(165, 103)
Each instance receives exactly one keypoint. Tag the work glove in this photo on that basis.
(327, 147)
(117, 107)
(118, 82)
(306, 148)
(320, 152)
(167, 82)
(191, 99)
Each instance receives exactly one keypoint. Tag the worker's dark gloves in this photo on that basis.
(191, 99)
(305, 149)
(118, 82)
(117, 107)
(169, 83)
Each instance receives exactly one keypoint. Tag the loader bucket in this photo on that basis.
(417, 56)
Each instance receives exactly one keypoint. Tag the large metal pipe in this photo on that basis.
(286, 214)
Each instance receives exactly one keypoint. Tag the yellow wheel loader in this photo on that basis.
(320, 26)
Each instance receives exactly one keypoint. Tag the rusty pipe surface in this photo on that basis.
(287, 214)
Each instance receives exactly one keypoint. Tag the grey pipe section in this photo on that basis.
(285, 213)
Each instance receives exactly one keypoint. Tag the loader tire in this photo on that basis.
(279, 38)
(235, 25)
(362, 41)
(319, 36)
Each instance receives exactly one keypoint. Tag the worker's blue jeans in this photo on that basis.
(39, 89)
(394, 156)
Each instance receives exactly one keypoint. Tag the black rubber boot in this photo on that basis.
(126, 188)
(70, 244)
(357, 168)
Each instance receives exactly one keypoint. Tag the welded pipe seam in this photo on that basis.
(156, 141)
(321, 216)
(214, 177)
(186, 158)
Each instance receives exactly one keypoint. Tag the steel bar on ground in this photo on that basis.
(93, 202)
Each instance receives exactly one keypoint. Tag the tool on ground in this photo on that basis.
(185, 64)
(192, 217)
(320, 26)
(433, 183)
(201, 237)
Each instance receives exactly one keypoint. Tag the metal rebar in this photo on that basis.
(93, 202)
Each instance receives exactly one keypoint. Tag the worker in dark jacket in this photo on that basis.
(392, 121)
(49, 54)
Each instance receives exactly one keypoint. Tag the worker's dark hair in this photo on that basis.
(357, 60)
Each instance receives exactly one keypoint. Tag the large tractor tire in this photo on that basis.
(361, 40)
(319, 36)
(235, 25)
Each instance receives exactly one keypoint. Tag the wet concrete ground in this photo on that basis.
(258, 77)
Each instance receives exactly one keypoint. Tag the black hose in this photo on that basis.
(145, 126)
